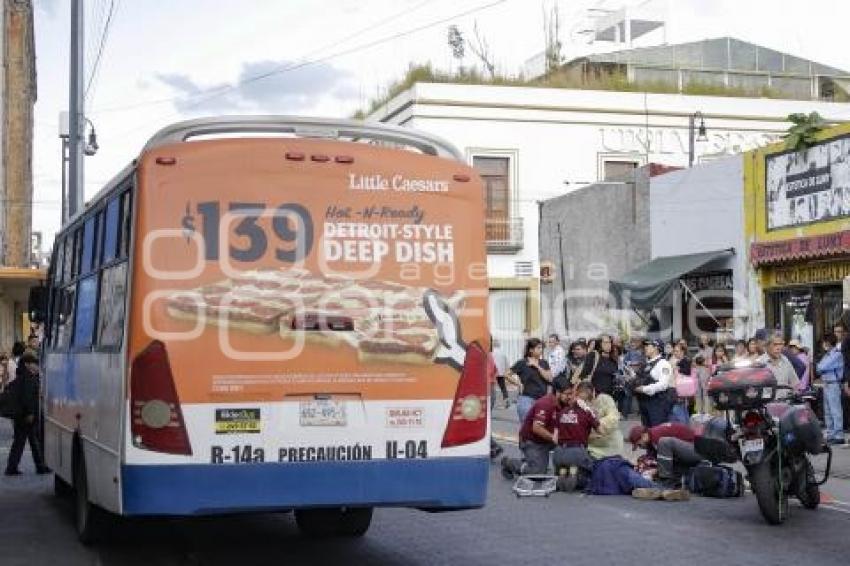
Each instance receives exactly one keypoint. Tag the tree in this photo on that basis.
(803, 131)
(456, 42)
(552, 34)
(481, 49)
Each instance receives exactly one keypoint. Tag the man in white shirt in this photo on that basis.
(653, 399)
(556, 356)
(782, 369)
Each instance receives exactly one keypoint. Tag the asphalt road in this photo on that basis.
(36, 528)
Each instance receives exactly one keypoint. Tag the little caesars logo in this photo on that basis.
(398, 183)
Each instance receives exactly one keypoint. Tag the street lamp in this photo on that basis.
(89, 149)
(700, 134)
(91, 145)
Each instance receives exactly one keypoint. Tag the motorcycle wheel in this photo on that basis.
(772, 500)
(809, 492)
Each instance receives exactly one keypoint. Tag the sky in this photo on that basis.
(163, 61)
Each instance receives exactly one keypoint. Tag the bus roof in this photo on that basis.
(299, 126)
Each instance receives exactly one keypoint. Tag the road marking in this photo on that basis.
(839, 509)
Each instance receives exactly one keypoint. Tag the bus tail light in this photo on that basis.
(156, 418)
(468, 417)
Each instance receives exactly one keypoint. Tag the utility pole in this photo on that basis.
(76, 119)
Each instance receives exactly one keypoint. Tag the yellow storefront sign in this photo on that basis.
(806, 274)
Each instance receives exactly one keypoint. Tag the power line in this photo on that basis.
(321, 60)
(336, 43)
(103, 37)
(288, 68)
(209, 95)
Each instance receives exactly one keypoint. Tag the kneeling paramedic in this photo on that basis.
(537, 435)
(672, 445)
(576, 420)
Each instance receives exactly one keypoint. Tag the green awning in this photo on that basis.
(647, 286)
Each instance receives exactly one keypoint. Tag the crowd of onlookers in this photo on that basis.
(20, 388)
(572, 398)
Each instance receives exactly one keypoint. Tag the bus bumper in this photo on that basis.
(205, 489)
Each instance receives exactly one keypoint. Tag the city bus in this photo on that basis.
(271, 314)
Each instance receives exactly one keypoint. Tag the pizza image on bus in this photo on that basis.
(380, 319)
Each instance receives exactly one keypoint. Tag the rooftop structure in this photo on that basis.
(725, 63)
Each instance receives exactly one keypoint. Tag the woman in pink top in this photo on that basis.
(797, 350)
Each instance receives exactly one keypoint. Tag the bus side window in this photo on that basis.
(52, 326)
(97, 257)
(57, 262)
(84, 319)
(77, 260)
(65, 324)
(113, 290)
(67, 258)
(88, 246)
(126, 208)
(110, 233)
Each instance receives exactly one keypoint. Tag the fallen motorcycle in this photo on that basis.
(774, 439)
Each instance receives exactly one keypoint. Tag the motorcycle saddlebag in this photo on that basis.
(742, 388)
(801, 430)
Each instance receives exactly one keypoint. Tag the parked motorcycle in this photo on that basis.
(774, 439)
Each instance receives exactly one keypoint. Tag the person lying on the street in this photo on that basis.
(672, 446)
(537, 434)
(575, 422)
(615, 475)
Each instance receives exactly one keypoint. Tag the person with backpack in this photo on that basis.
(23, 393)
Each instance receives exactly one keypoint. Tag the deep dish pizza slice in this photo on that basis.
(223, 309)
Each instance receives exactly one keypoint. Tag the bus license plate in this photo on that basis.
(323, 412)
(754, 445)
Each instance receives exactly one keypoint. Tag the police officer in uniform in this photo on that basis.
(656, 377)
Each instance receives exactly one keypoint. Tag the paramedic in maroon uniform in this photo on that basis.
(672, 445)
(537, 435)
(575, 421)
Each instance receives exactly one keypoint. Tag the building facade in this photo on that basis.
(797, 221)
(700, 210)
(587, 237)
(532, 144)
(17, 97)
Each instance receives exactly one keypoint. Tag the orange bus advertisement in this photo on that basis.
(272, 267)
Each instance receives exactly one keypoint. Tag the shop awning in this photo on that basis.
(648, 285)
